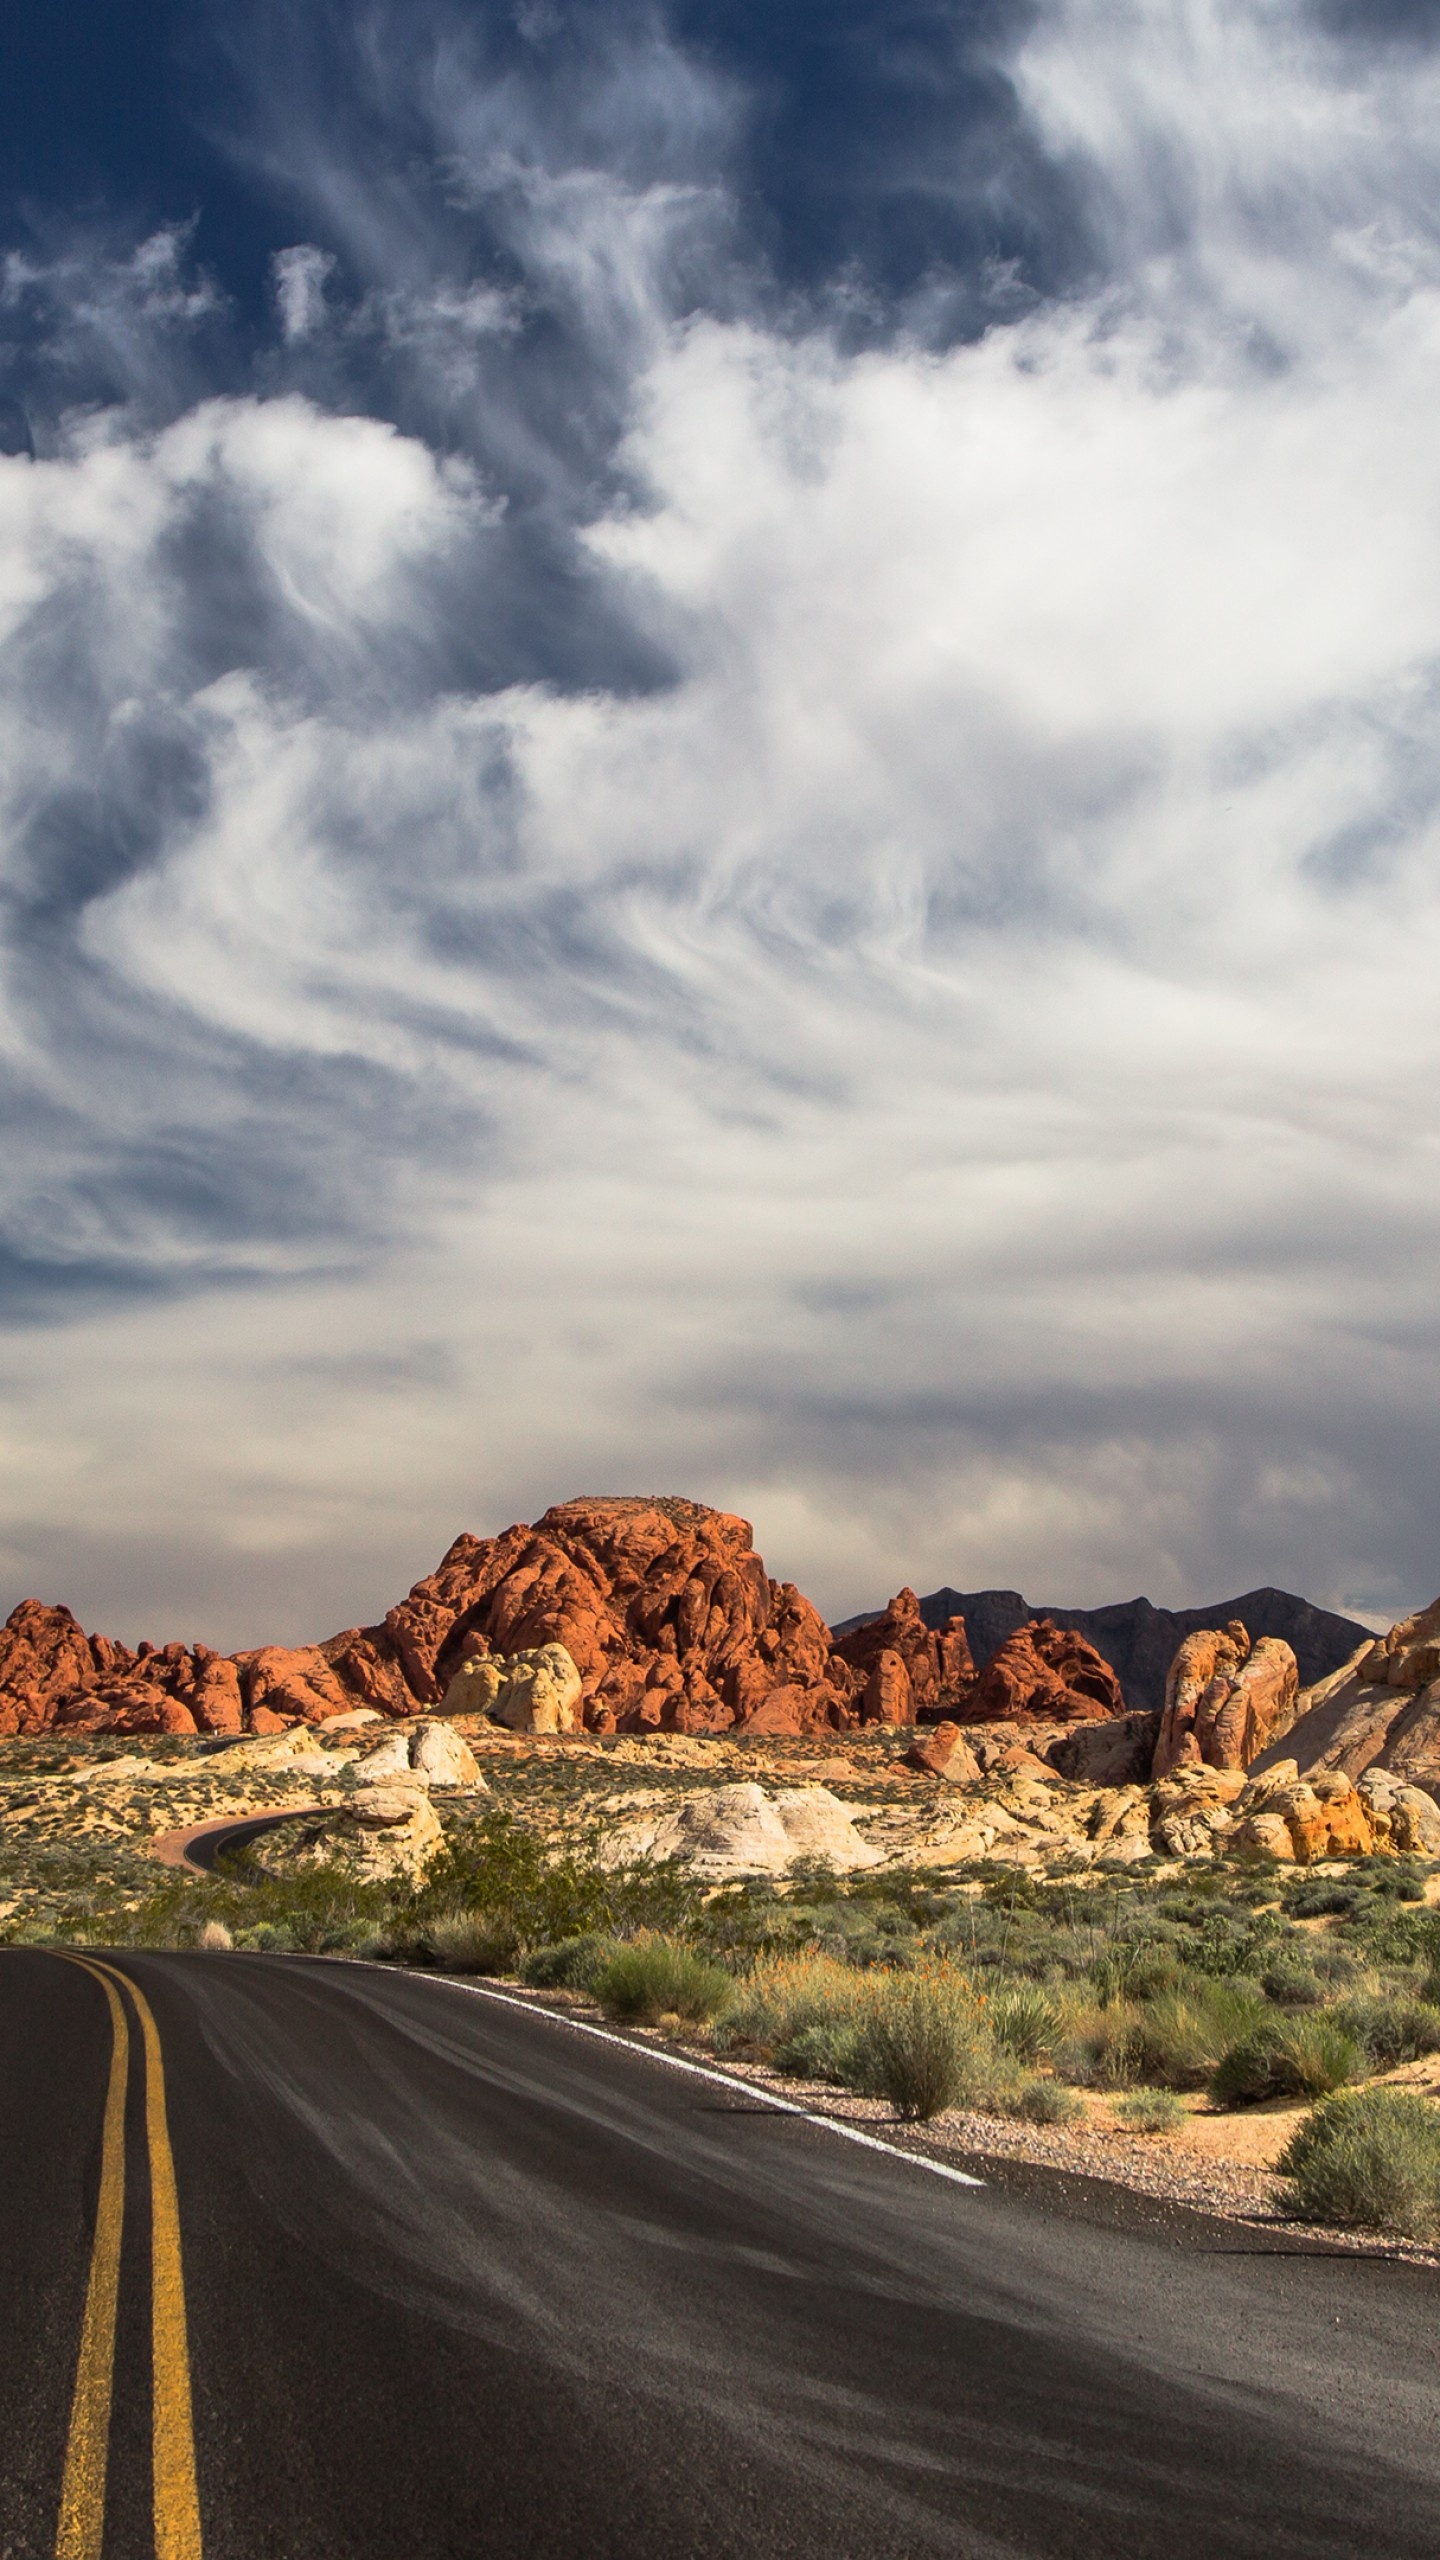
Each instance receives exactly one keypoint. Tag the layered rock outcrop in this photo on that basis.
(1380, 1710)
(740, 1830)
(536, 1692)
(1278, 1813)
(1226, 1700)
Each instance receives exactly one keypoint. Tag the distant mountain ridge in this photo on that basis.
(1140, 1641)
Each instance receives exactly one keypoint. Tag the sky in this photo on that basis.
(719, 773)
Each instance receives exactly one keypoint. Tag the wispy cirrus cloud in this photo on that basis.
(635, 856)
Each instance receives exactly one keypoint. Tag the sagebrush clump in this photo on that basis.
(1369, 2158)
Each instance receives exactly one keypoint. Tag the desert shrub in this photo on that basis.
(655, 1977)
(1099, 2043)
(822, 2049)
(918, 2043)
(571, 1964)
(473, 1941)
(1049, 2102)
(1181, 2034)
(1134, 1969)
(266, 1938)
(1150, 2111)
(1369, 2157)
(1303, 2057)
(1387, 1932)
(1390, 2028)
(497, 1866)
(214, 1937)
(1319, 1897)
(1022, 2019)
(779, 1998)
(1291, 1983)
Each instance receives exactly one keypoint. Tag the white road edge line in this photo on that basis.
(673, 2062)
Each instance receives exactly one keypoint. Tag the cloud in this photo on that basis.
(300, 274)
(842, 919)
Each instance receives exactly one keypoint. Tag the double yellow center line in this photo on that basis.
(81, 2530)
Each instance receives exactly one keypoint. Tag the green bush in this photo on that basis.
(823, 2049)
(780, 1999)
(473, 1941)
(1302, 2057)
(1181, 2034)
(571, 1964)
(1022, 2019)
(499, 1866)
(1291, 1983)
(1391, 2029)
(917, 2046)
(1174, 2039)
(656, 1978)
(1099, 2043)
(1150, 2111)
(1369, 2157)
(1049, 2102)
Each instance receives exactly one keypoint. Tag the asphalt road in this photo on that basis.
(439, 2276)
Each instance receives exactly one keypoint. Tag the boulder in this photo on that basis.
(942, 1752)
(1325, 1817)
(1192, 1810)
(1043, 1671)
(431, 1753)
(1114, 1752)
(739, 1830)
(442, 1757)
(1404, 1819)
(387, 1831)
(1409, 1656)
(388, 1758)
(538, 1691)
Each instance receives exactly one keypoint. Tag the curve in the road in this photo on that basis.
(199, 1844)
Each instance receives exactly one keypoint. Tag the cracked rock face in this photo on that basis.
(1226, 1700)
(1379, 1711)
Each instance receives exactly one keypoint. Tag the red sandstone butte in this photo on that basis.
(1046, 1672)
(666, 1609)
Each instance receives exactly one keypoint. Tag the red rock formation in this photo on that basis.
(296, 1684)
(938, 1667)
(887, 1697)
(664, 1606)
(1207, 1654)
(45, 1655)
(1226, 1701)
(1045, 1672)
